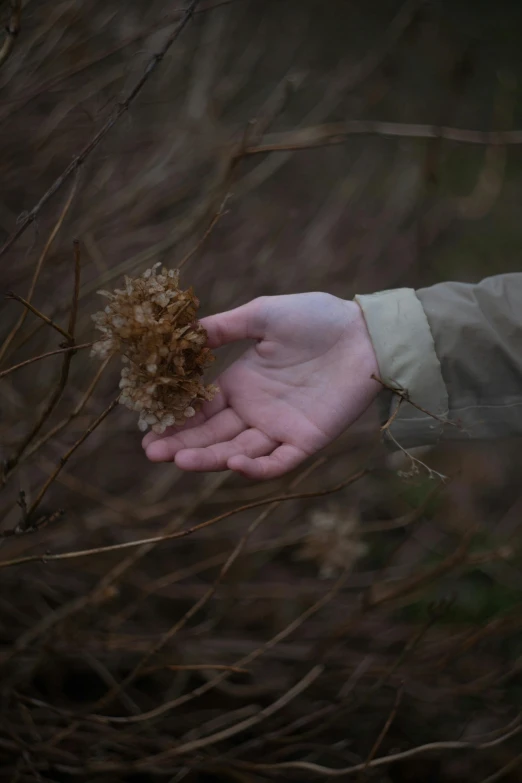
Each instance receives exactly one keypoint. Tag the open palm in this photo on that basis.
(305, 379)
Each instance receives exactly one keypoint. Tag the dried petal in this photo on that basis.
(152, 322)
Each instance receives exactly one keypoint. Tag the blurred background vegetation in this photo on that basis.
(225, 655)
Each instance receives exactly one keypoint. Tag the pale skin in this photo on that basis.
(305, 378)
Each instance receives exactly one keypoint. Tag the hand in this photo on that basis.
(305, 380)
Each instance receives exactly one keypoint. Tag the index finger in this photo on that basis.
(246, 322)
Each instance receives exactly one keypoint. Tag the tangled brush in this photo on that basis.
(153, 324)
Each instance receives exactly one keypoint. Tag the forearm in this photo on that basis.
(456, 349)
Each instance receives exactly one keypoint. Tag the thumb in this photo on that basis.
(247, 322)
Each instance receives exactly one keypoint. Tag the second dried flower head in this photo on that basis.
(153, 324)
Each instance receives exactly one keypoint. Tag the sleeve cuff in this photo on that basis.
(407, 358)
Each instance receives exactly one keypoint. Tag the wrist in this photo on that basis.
(365, 351)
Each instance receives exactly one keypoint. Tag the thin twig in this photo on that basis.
(169, 537)
(390, 591)
(117, 112)
(51, 84)
(97, 594)
(12, 29)
(42, 316)
(384, 592)
(404, 395)
(387, 424)
(29, 525)
(349, 79)
(404, 654)
(25, 363)
(217, 217)
(361, 701)
(12, 334)
(76, 290)
(231, 731)
(66, 457)
(56, 395)
(415, 462)
(383, 760)
(242, 662)
(179, 624)
(406, 519)
(378, 742)
(75, 412)
(156, 585)
(339, 133)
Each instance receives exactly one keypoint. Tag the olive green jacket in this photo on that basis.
(456, 349)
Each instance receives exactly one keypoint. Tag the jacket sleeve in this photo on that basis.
(456, 348)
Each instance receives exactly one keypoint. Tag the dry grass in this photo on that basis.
(156, 625)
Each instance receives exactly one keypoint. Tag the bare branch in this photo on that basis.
(383, 760)
(118, 111)
(339, 133)
(56, 395)
(12, 334)
(157, 539)
(404, 395)
(42, 316)
(76, 290)
(77, 410)
(217, 217)
(244, 661)
(179, 624)
(349, 79)
(385, 728)
(25, 363)
(231, 731)
(99, 591)
(66, 457)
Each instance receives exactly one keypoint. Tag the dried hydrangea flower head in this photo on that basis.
(333, 540)
(153, 324)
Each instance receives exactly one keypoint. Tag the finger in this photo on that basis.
(252, 443)
(243, 323)
(224, 426)
(285, 458)
(195, 421)
(208, 409)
